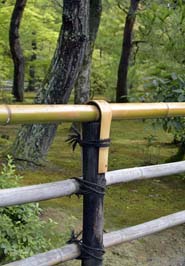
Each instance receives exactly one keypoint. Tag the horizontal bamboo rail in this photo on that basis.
(72, 251)
(34, 193)
(17, 114)
(144, 172)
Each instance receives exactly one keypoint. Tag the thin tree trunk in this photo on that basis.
(32, 81)
(121, 89)
(82, 86)
(33, 141)
(16, 50)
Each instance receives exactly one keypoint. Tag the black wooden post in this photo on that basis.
(92, 242)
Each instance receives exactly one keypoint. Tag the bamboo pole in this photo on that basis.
(50, 258)
(147, 110)
(17, 114)
(144, 172)
(144, 229)
(35, 193)
(70, 252)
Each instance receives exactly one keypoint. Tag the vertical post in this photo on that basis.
(93, 220)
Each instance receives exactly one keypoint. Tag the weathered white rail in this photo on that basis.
(21, 195)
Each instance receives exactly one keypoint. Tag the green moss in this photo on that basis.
(141, 201)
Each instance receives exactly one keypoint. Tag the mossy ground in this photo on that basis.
(134, 143)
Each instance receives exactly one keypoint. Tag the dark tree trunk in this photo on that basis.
(33, 141)
(82, 86)
(32, 81)
(16, 51)
(179, 156)
(121, 89)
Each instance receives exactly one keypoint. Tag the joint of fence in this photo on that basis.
(87, 187)
(86, 252)
(105, 124)
(8, 115)
(75, 138)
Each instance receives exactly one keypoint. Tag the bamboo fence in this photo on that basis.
(96, 113)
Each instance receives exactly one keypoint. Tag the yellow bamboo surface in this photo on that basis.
(105, 125)
(17, 114)
(147, 110)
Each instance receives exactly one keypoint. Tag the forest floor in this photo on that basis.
(134, 143)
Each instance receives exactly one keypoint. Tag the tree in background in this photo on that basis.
(42, 17)
(32, 70)
(16, 50)
(82, 86)
(39, 38)
(121, 89)
(107, 51)
(33, 141)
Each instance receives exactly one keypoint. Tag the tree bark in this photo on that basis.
(33, 141)
(82, 86)
(121, 89)
(32, 81)
(16, 50)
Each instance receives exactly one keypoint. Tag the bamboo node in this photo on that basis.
(168, 110)
(9, 115)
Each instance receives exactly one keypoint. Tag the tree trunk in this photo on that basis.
(82, 86)
(16, 51)
(121, 89)
(32, 81)
(33, 141)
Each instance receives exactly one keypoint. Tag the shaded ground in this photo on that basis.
(166, 248)
(163, 249)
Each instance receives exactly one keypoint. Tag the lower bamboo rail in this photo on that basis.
(72, 251)
(21, 195)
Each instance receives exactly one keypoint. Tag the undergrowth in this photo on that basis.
(22, 232)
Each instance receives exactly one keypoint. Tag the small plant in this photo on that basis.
(151, 150)
(171, 89)
(22, 233)
(150, 140)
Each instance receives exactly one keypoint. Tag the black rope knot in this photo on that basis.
(87, 252)
(75, 138)
(74, 238)
(91, 252)
(87, 187)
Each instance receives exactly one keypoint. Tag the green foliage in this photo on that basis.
(107, 50)
(22, 233)
(158, 45)
(171, 89)
(40, 17)
(158, 42)
(45, 21)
